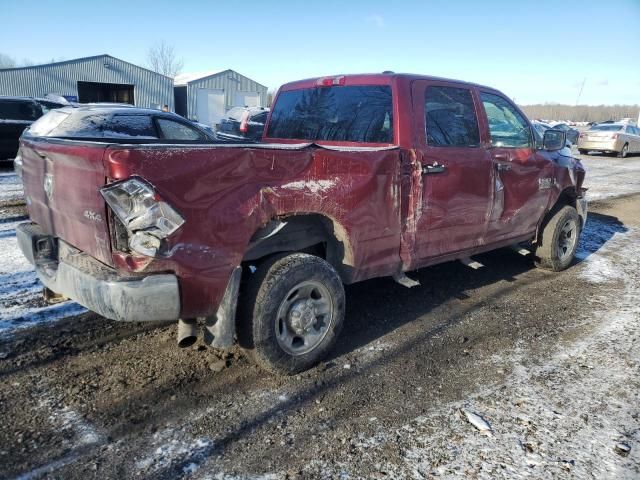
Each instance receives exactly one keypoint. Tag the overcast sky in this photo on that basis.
(538, 51)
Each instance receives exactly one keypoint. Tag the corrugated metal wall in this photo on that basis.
(150, 88)
(229, 81)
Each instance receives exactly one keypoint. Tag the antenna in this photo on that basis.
(581, 88)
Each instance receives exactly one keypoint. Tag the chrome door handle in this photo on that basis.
(434, 168)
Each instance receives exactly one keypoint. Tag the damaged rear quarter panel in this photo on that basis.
(226, 193)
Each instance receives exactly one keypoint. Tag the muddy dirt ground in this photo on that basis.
(551, 361)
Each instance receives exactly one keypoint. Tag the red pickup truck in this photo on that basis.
(357, 176)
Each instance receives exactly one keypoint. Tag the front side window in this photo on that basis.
(507, 127)
(450, 118)
(177, 131)
(362, 114)
(136, 126)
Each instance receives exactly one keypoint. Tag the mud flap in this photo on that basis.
(220, 329)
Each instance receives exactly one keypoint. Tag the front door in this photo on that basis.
(457, 175)
(524, 178)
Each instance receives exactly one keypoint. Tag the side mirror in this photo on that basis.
(554, 140)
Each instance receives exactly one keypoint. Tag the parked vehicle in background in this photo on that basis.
(115, 122)
(243, 123)
(540, 127)
(572, 133)
(621, 139)
(628, 121)
(356, 177)
(16, 114)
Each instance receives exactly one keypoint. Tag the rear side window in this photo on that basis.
(507, 127)
(47, 123)
(138, 126)
(17, 110)
(362, 114)
(177, 131)
(73, 125)
(450, 118)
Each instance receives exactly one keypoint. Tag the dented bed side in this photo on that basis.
(226, 194)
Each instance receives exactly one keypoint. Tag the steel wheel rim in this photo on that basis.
(567, 239)
(304, 318)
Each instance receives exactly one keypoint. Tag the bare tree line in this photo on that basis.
(162, 58)
(581, 113)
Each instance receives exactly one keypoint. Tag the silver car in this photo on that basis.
(619, 138)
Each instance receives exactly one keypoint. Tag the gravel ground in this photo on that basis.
(546, 365)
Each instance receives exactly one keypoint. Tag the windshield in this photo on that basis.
(235, 113)
(341, 113)
(606, 128)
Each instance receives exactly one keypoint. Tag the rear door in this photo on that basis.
(524, 177)
(633, 133)
(457, 170)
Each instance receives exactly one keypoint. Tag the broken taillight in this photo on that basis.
(146, 217)
(244, 122)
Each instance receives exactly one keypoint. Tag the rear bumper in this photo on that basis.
(600, 146)
(76, 275)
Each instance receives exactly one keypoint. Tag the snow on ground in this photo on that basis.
(609, 177)
(10, 187)
(563, 418)
(21, 303)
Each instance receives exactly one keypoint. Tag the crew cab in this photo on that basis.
(356, 177)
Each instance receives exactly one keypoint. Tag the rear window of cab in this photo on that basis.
(357, 113)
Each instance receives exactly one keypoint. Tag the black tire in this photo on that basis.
(624, 151)
(266, 293)
(551, 253)
(582, 151)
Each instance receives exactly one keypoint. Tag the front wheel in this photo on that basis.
(291, 313)
(558, 240)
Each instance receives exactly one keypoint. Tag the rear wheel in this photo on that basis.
(291, 313)
(624, 152)
(558, 241)
(582, 151)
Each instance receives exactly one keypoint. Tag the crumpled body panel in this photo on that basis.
(226, 194)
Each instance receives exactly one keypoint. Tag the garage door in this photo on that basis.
(247, 99)
(209, 106)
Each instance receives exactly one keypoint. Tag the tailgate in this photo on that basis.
(61, 181)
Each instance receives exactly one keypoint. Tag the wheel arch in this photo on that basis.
(313, 233)
(569, 197)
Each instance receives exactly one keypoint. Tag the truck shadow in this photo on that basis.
(375, 308)
(379, 306)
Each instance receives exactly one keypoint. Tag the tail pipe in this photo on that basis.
(187, 332)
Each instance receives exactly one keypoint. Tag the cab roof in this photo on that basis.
(385, 78)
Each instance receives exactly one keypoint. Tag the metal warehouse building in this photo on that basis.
(102, 78)
(207, 96)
